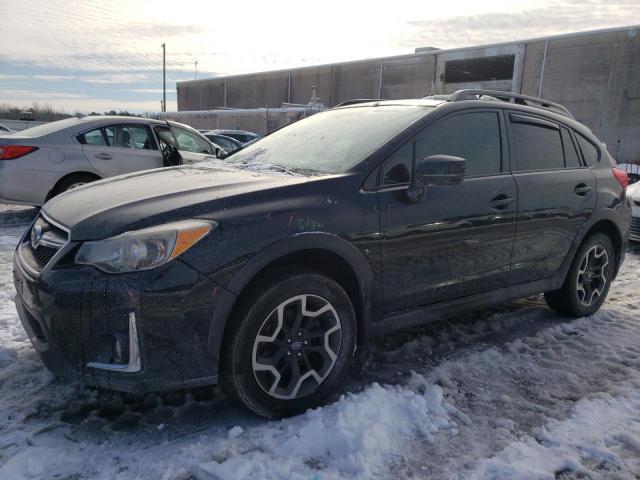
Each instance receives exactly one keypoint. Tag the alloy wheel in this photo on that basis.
(296, 347)
(592, 275)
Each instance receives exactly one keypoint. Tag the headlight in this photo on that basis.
(143, 249)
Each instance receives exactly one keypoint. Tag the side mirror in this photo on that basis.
(435, 170)
(171, 156)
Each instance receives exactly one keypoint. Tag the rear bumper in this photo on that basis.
(24, 187)
(79, 320)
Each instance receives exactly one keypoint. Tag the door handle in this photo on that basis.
(501, 202)
(582, 189)
(103, 156)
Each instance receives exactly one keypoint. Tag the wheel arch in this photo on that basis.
(325, 253)
(606, 223)
(69, 175)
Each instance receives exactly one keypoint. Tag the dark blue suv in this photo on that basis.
(263, 272)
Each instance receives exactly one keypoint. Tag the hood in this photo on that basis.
(111, 206)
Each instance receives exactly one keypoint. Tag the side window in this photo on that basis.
(399, 167)
(473, 136)
(124, 136)
(189, 142)
(571, 158)
(94, 137)
(537, 145)
(128, 136)
(589, 151)
(140, 137)
(164, 136)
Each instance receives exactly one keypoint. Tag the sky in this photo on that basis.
(103, 55)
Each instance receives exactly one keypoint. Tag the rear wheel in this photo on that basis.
(72, 181)
(289, 344)
(588, 279)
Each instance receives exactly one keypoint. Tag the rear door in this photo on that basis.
(457, 241)
(556, 194)
(120, 148)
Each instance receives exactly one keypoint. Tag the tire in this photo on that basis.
(71, 181)
(588, 280)
(260, 354)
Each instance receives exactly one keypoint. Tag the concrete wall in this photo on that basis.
(597, 78)
(595, 74)
(261, 121)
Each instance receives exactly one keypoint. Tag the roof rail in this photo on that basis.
(355, 101)
(518, 98)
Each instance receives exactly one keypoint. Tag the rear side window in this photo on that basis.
(123, 136)
(473, 136)
(589, 151)
(94, 137)
(571, 157)
(537, 145)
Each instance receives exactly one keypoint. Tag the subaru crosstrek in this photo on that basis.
(263, 273)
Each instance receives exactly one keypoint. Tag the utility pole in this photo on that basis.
(164, 80)
(195, 76)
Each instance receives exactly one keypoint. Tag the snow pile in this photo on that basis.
(602, 436)
(357, 436)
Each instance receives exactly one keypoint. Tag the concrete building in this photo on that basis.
(595, 74)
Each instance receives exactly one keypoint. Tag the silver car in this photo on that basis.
(41, 162)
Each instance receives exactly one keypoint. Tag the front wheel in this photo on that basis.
(588, 280)
(288, 346)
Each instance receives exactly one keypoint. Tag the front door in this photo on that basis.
(192, 147)
(458, 240)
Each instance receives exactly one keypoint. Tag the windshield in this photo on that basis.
(331, 141)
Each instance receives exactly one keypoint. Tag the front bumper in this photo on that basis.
(80, 320)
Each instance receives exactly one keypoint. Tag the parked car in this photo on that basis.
(46, 160)
(242, 136)
(633, 192)
(347, 224)
(228, 143)
(27, 116)
(5, 130)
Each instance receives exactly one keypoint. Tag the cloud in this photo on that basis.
(557, 17)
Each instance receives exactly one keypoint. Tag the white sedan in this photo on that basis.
(41, 162)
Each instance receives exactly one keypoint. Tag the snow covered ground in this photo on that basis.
(511, 392)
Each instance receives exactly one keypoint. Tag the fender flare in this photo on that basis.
(303, 241)
(607, 215)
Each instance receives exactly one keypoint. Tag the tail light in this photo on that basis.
(11, 152)
(622, 177)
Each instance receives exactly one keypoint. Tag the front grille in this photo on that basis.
(42, 243)
(635, 227)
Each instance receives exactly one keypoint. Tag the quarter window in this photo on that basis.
(537, 146)
(571, 158)
(473, 136)
(399, 167)
(589, 151)
(94, 137)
